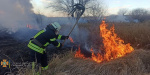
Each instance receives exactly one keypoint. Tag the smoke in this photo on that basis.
(117, 18)
(15, 14)
(79, 34)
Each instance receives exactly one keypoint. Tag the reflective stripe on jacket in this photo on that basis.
(35, 47)
(45, 37)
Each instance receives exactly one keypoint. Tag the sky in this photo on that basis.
(113, 6)
(40, 6)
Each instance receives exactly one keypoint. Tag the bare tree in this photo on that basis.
(62, 5)
(123, 11)
(65, 5)
(139, 14)
(94, 8)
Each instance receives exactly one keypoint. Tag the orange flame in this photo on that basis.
(98, 58)
(79, 54)
(71, 40)
(29, 26)
(114, 46)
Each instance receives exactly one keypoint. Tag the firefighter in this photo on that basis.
(41, 40)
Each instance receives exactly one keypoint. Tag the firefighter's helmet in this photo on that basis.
(56, 25)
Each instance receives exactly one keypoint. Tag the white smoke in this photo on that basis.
(15, 13)
(117, 18)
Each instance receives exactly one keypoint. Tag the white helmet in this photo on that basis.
(56, 25)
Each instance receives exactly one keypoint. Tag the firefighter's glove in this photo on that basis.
(31, 38)
(66, 37)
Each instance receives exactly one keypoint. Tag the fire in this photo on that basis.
(29, 26)
(114, 46)
(32, 26)
(98, 58)
(71, 40)
(79, 54)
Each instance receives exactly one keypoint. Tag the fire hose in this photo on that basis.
(78, 9)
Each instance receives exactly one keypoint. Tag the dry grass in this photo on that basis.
(135, 33)
(136, 63)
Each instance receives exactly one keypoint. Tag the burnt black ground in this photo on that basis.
(18, 52)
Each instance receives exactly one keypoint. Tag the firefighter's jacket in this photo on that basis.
(45, 37)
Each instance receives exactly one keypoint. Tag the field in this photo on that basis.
(135, 63)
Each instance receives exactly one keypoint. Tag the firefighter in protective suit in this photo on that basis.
(41, 40)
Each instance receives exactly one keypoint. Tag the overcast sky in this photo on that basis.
(112, 5)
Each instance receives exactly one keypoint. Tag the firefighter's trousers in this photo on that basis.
(39, 58)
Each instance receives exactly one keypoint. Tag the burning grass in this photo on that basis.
(113, 46)
(135, 63)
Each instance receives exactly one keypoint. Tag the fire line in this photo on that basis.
(114, 47)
